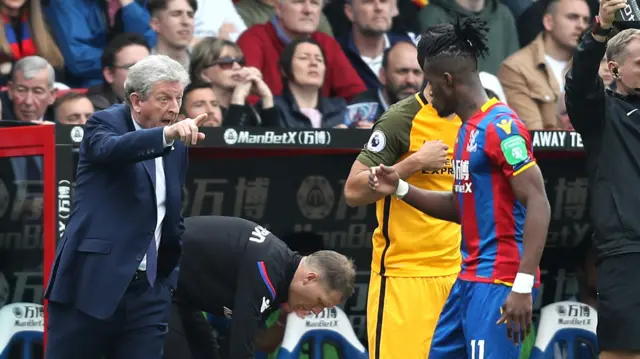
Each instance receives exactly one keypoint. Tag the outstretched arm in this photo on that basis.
(385, 180)
(438, 204)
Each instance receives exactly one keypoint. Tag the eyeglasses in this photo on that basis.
(226, 63)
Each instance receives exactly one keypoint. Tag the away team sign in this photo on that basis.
(562, 140)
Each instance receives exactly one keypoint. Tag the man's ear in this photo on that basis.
(614, 68)
(10, 90)
(547, 22)
(135, 100)
(108, 76)
(311, 276)
(155, 24)
(448, 79)
(348, 11)
(382, 76)
(54, 93)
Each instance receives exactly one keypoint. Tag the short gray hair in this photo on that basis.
(150, 70)
(31, 67)
(336, 271)
(617, 46)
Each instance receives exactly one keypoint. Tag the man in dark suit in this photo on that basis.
(110, 288)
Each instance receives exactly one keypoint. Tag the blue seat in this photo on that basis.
(21, 327)
(566, 330)
(330, 326)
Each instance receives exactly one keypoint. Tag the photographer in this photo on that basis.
(609, 123)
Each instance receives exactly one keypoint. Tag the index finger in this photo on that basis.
(200, 119)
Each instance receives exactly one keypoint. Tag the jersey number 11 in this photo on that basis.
(477, 346)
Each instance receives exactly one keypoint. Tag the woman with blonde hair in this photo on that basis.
(24, 33)
(221, 63)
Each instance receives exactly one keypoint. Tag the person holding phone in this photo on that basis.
(609, 123)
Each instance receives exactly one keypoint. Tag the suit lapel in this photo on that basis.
(168, 178)
(150, 167)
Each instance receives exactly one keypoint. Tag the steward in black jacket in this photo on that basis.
(609, 123)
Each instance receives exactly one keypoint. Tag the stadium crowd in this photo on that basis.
(277, 63)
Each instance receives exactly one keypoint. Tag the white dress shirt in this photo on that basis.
(161, 197)
(375, 63)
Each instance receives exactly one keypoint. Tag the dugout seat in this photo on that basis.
(566, 330)
(330, 326)
(21, 331)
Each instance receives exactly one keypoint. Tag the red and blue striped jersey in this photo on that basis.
(491, 147)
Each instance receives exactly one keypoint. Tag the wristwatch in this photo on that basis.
(597, 29)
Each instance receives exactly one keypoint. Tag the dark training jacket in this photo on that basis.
(609, 124)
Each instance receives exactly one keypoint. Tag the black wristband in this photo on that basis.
(597, 29)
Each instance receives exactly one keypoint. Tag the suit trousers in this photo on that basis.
(190, 335)
(135, 331)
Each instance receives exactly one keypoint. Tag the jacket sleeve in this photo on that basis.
(519, 98)
(136, 19)
(270, 116)
(255, 293)
(252, 50)
(344, 80)
(584, 90)
(102, 144)
(76, 41)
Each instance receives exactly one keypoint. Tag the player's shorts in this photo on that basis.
(467, 327)
(619, 303)
(402, 313)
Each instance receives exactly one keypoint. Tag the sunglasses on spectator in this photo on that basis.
(226, 63)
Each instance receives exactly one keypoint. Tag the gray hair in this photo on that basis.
(336, 271)
(150, 70)
(617, 46)
(31, 66)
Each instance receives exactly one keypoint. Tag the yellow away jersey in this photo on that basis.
(407, 242)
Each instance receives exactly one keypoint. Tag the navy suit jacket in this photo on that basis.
(113, 219)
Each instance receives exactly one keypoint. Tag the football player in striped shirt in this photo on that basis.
(498, 197)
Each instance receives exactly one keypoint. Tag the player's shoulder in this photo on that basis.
(397, 119)
(503, 119)
(404, 110)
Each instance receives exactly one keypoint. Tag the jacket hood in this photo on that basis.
(490, 7)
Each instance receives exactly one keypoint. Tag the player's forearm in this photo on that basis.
(438, 204)
(357, 191)
(536, 225)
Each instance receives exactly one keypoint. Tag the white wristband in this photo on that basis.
(523, 283)
(403, 188)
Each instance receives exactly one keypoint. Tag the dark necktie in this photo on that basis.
(152, 251)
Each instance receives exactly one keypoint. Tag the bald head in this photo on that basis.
(401, 75)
